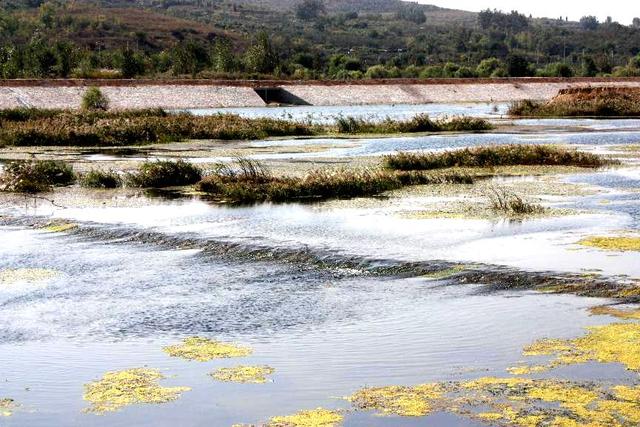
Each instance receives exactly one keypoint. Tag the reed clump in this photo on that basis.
(512, 205)
(498, 155)
(35, 176)
(100, 179)
(164, 173)
(248, 181)
(418, 123)
(589, 101)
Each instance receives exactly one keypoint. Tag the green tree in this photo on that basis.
(589, 67)
(131, 63)
(223, 60)
(260, 57)
(518, 66)
(589, 22)
(94, 99)
(489, 67)
(310, 9)
(189, 57)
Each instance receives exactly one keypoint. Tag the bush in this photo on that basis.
(500, 155)
(34, 176)
(94, 99)
(100, 179)
(165, 173)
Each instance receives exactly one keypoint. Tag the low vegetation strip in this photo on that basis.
(37, 127)
(589, 101)
(248, 181)
(492, 156)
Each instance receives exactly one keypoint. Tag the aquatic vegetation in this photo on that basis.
(313, 418)
(444, 274)
(414, 401)
(7, 406)
(612, 243)
(165, 173)
(492, 156)
(100, 179)
(615, 312)
(418, 123)
(248, 182)
(133, 386)
(35, 176)
(243, 374)
(60, 228)
(585, 101)
(14, 275)
(510, 204)
(204, 349)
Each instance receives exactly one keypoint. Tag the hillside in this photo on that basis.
(300, 39)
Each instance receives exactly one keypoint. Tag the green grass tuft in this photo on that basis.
(100, 179)
(164, 173)
(35, 176)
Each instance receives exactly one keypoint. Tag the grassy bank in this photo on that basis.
(492, 156)
(36, 127)
(596, 101)
(248, 181)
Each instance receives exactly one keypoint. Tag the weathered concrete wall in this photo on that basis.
(206, 94)
(169, 97)
(433, 93)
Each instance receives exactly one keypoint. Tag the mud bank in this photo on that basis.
(203, 94)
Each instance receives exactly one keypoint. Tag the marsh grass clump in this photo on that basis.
(164, 173)
(133, 386)
(35, 176)
(248, 181)
(418, 123)
(313, 418)
(203, 349)
(94, 99)
(589, 101)
(100, 179)
(493, 156)
(510, 204)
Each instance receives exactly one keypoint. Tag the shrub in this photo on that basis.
(100, 179)
(165, 173)
(94, 99)
(34, 176)
(505, 155)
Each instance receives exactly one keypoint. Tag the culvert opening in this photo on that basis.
(278, 95)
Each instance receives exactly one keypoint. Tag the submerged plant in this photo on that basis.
(10, 276)
(165, 173)
(203, 349)
(133, 386)
(243, 374)
(313, 418)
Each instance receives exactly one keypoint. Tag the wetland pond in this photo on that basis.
(327, 304)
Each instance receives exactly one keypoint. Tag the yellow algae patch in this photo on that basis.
(59, 228)
(314, 418)
(243, 374)
(613, 343)
(133, 386)
(615, 312)
(6, 407)
(15, 275)
(612, 243)
(204, 349)
(526, 369)
(397, 400)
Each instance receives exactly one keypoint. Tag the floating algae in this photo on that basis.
(204, 349)
(243, 374)
(10, 276)
(444, 274)
(314, 418)
(512, 401)
(612, 243)
(397, 400)
(59, 228)
(6, 407)
(133, 386)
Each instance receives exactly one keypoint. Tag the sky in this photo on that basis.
(622, 11)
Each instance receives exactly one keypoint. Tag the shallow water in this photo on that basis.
(322, 292)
